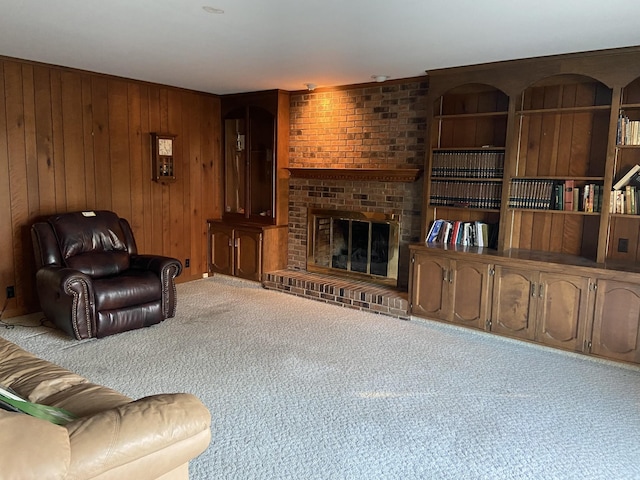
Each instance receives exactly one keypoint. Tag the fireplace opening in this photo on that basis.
(362, 244)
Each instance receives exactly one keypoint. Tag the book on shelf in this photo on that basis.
(547, 194)
(628, 132)
(625, 202)
(632, 177)
(569, 185)
(434, 230)
(463, 233)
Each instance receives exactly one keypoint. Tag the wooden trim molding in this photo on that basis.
(406, 175)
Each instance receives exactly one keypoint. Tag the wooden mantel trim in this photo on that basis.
(358, 174)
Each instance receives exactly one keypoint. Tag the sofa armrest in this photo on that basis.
(66, 298)
(31, 448)
(167, 269)
(142, 439)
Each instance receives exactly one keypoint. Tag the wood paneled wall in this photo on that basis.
(72, 140)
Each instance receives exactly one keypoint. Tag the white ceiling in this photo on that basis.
(265, 44)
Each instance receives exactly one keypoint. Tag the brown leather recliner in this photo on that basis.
(91, 282)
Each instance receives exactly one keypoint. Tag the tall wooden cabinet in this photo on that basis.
(535, 147)
(250, 238)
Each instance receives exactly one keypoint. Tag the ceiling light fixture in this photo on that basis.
(209, 9)
(310, 86)
(380, 78)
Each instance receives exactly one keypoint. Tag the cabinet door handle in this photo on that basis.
(540, 291)
(236, 242)
(533, 290)
(231, 242)
(444, 274)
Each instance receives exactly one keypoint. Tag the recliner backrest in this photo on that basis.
(92, 242)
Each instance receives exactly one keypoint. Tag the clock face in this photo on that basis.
(165, 147)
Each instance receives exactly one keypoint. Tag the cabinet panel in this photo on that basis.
(221, 249)
(471, 293)
(562, 310)
(248, 254)
(429, 289)
(617, 321)
(513, 311)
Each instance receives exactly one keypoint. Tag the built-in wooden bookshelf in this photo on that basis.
(467, 153)
(565, 262)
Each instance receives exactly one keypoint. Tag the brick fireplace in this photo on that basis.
(347, 147)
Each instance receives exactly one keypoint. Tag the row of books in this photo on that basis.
(466, 234)
(458, 193)
(543, 194)
(468, 163)
(628, 130)
(626, 201)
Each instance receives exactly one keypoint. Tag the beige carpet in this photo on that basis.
(304, 390)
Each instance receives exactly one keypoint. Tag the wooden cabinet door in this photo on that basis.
(471, 293)
(430, 287)
(563, 302)
(220, 249)
(616, 324)
(248, 254)
(514, 302)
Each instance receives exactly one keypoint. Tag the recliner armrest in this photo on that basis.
(156, 263)
(146, 438)
(65, 291)
(31, 448)
(167, 269)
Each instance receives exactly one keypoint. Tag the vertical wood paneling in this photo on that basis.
(30, 138)
(44, 141)
(136, 217)
(73, 136)
(119, 148)
(57, 124)
(101, 149)
(175, 210)
(73, 140)
(7, 267)
(87, 131)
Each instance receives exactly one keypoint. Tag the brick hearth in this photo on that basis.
(341, 291)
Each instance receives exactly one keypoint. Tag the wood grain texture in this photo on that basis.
(72, 140)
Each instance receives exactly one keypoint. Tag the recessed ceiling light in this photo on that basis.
(380, 78)
(310, 86)
(209, 9)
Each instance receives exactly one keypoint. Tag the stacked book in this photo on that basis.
(468, 163)
(546, 194)
(625, 196)
(628, 130)
(460, 193)
(466, 234)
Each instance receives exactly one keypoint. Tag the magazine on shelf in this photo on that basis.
(11, 401)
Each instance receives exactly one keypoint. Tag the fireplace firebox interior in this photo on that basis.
(361, 244)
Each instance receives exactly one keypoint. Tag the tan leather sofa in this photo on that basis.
(114, 437)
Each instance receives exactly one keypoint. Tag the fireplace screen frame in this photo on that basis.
(322, 263)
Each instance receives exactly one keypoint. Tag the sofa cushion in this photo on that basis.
(133, 287)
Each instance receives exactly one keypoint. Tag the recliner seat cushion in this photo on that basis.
(133, 287)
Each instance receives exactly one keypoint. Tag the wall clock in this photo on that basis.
(162, 157)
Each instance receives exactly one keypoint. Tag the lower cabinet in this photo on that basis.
(616, 325)
(452, 290)
(550, 308)
(246, 251)
(572, 307)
